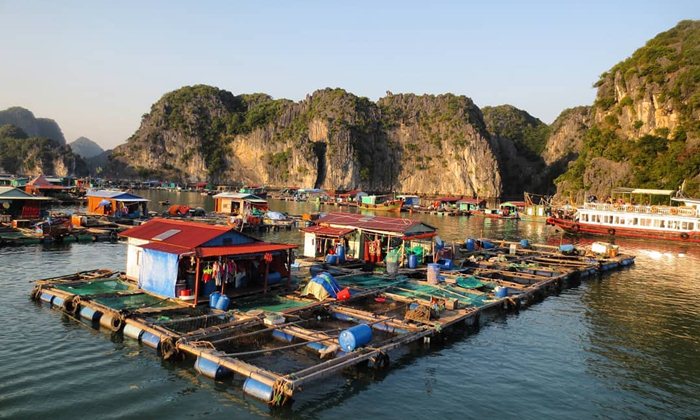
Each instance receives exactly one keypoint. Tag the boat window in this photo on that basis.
(635, 221)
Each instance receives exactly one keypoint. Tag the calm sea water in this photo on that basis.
(625, 345)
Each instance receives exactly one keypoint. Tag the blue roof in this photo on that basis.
(115, 195)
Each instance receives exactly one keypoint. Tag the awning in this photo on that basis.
(244, 249)
(167, 248)
(419, 236)
(328, 231)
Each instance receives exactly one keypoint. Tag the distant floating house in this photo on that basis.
(174, 258)
(409, 200)
(471, 204)
(43, 185)
(116, 203)
(362, 233)
(239, 204)
(17, 204)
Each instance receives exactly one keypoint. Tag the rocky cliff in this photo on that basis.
(332, 139)
(85, 147)
(32, 126)
(645, 122)
(21, 154)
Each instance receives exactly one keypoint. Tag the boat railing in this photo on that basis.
(686, 211)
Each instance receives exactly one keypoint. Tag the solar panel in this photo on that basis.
(165, 235)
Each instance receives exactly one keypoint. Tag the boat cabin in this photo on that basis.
(254, 190)
(239, 204)
(188, 260)
(367, 238)
(17, 204)
(116, 203)
(512, 207)
(409, 200)
(471, 204)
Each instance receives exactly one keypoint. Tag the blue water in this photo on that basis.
(625, 345)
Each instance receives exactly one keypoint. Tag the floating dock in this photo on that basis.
(275, 344)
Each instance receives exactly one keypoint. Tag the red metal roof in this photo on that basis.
(190, 235)
(170, 249)
(243, 249)
(378, 223)
(449, 199)
(472, 200)
(42, 183)
(328, 231)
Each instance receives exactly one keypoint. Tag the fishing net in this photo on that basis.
(470, 282)
(426, 291)
(95, 287)
(369, 282)
(135, 302)
(270, 303)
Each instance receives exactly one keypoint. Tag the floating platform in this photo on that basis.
(274, 345)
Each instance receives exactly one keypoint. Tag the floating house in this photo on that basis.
(42, 185)
(116, 203)
(409, 200)
(362, 234)
(17, 204)
(239, 204)
(188, 260)
(471, 204)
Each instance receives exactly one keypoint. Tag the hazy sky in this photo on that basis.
(97, 66)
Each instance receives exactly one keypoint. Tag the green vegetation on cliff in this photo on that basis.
(647, 117)
(528, 133)
(21, 154)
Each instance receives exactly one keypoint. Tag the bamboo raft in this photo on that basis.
(278, 344)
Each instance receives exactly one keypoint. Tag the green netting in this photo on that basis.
(369, 281)
(95, 287)
(143, 300)
(470, 282)
(270, 303)
(425, 291)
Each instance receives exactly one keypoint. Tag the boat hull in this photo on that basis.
(389, 206)
(576, 227)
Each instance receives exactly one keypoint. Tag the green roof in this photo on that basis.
(12, 193)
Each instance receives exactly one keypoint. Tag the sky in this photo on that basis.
(97, 66)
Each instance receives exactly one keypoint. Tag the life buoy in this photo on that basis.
(616, 206)
(575, 228)
(611, 232)
(684, 236)
(673, 210)
(654, 209)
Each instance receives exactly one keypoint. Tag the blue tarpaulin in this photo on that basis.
(158, 272)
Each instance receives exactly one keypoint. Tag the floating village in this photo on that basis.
(197, 287)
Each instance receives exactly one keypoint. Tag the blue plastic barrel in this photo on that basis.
(487, 244)
(332, 259)
(47, 297)
(257, 389)
(282, 336)
(433, 273)
(274, 277)
(340, 252)
(211, 369)
(132, 331)
(470, 245)
(58, 301)
(524, 243)
(412, 261)
(213, 299)
(501, 292)
(151, 340)
(208, 288)
(355, 337)
(90, 314)
(223, 302)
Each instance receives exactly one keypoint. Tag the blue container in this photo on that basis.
(223, 302)
(412, 261)
(332, 259)
(132, 331)
(208, 288)
(566, 248)
(445, 264)
(487, 245)
(470, 245)
(340, 252)
(501, 292)
(211, 369)
(151, 340)
(57, 301)
(282, 336)
(433, 273)
(90, 314)
(47, 297)
(213, 299)
(355, 337)
(524, 243)
(274, 277)
(257, 389)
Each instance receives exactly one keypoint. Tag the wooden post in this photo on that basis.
(196, 284)
(267, 271)
(289, 265)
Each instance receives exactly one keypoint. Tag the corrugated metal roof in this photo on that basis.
(170, 249)
(41, 182)
(12, 193)
(449, 199)
(328, 231)
(472, 200)
(376, 223)
(115, 195)
(237, 196)
(191, 234)
(245, 249)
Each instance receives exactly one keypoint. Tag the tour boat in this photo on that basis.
(380, 203)
(676, 223)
